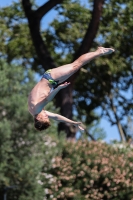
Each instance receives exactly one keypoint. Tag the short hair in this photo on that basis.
(41, 125)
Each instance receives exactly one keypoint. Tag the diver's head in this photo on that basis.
(41, 121)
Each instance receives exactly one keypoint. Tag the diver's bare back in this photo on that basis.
(38, 94)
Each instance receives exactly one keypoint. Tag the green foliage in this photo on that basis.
(71, 171)
(106, 81)
(116, 31)
(66, 32)
(17, 134)
(89, 170)
(16, 43)
(20, 144)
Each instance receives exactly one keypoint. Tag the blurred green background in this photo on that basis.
(63, 163)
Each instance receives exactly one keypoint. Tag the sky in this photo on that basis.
(112, 131)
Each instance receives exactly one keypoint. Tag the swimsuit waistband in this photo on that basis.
(47, 76)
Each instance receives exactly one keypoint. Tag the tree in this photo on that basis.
(36, 16)
(104, 85)
(89, 170)
(117, 105)
(18, 138)
(18, 46)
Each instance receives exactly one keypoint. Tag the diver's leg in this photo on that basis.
(64, 72)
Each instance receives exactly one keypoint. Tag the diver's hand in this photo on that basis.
(64, 85)
(80, 126)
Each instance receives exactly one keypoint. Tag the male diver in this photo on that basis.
(41, 94)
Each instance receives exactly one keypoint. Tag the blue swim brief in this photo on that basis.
(47, 76)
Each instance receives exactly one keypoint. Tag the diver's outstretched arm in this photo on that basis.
(61, 118)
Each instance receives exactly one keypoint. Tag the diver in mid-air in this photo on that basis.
(41, 94)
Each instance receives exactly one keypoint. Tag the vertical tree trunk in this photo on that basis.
(65, 99)
(34, 17)
(120, 129)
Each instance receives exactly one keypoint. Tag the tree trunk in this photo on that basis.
(64, 99)
(120, 129)
(34, 18)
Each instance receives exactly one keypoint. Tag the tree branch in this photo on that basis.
(117, 121)
(88, 134)
(34, 25)
(47, 7)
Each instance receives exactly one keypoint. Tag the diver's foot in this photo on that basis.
(105, 51)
